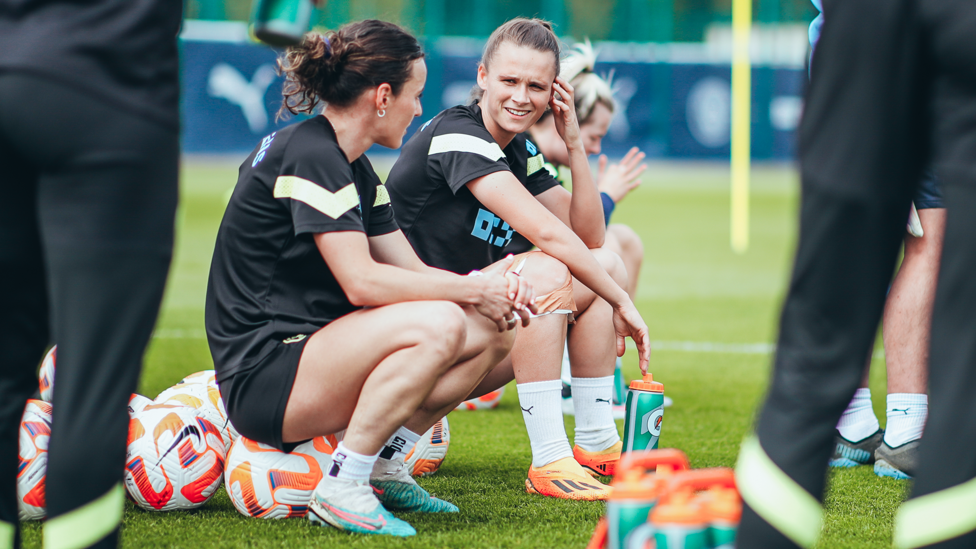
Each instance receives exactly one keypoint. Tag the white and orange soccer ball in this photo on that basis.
(45, 377)
(174, 460)
(484, 402)
(35, 433)
(429, 453)
(201, 398)
(264, 482)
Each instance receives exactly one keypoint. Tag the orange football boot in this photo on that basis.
(566, 479)
(602, 463)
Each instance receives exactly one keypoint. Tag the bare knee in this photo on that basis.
(612, 263)
(440, 327)
(629, 241)
(545, 273)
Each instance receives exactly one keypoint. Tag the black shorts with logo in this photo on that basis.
(256, 398)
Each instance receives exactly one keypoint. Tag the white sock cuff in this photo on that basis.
(862, 392)
(593, 382)
(400, 444)
(901, 400)
(351, 465)
(539, 386)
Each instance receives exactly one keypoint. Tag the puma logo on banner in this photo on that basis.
(226, 82)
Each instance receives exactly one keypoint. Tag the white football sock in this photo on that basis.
(399, 445)
(858, 421)
(542, 412)
(350, 465)
(906, 417)
(566, 374)
(593, 401)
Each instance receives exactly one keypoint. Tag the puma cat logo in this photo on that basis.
(607, 400)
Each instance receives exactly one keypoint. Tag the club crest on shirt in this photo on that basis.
(492, 229)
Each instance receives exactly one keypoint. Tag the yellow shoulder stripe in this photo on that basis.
(331, 204)
(460, 142)
(535, 164)
(382, 196)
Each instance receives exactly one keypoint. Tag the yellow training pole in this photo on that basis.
(741, 100)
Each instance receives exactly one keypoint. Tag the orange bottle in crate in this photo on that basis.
(640, 480)
(684, 520)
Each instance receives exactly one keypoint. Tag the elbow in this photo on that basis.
(359, 293)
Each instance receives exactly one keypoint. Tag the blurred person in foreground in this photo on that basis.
(89, 148)
(906, 330)
(893, 89)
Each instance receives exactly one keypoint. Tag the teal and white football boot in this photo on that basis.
(397, 489)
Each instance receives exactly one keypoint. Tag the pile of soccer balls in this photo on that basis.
(182, 446)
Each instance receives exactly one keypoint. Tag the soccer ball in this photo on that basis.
(429, 453)
(204, 377)
(35, 433)
(214, 393)
(175, 458)
(202, 398)
(45, 377)
(266, 483)
(484, 402)
(137, 403)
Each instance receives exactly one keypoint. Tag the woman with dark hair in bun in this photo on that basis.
(319, 315)
(469, 185)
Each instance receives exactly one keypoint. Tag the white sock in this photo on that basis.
(858, 421)
(542, 412)
(906, 417)
(399, 445)
(349, 465)
(566, 374)
(593, 401)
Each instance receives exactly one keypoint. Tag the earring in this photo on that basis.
(381, 113)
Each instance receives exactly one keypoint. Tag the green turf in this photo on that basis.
(693, 289)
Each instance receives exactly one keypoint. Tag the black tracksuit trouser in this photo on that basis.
(893, 85)
(87, 205)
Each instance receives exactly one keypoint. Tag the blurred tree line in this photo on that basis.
(622, 20)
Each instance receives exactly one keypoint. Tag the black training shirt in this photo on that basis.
(447, 226)
(123, 51)
(268, 281)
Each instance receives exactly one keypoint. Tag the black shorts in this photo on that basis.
(928, 194)
(256, 398)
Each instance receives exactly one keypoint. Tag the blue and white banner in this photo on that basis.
(231, 94)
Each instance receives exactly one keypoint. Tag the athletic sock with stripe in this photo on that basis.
(906, 413)
(399, 445)
(858, 421)
(541, 403)
(593, 403)
(350, 465)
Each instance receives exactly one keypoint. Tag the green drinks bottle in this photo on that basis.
(645, 412)
(281, 22)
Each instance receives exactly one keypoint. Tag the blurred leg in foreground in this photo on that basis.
(886, 76)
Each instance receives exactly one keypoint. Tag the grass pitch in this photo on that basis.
(711, 315)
